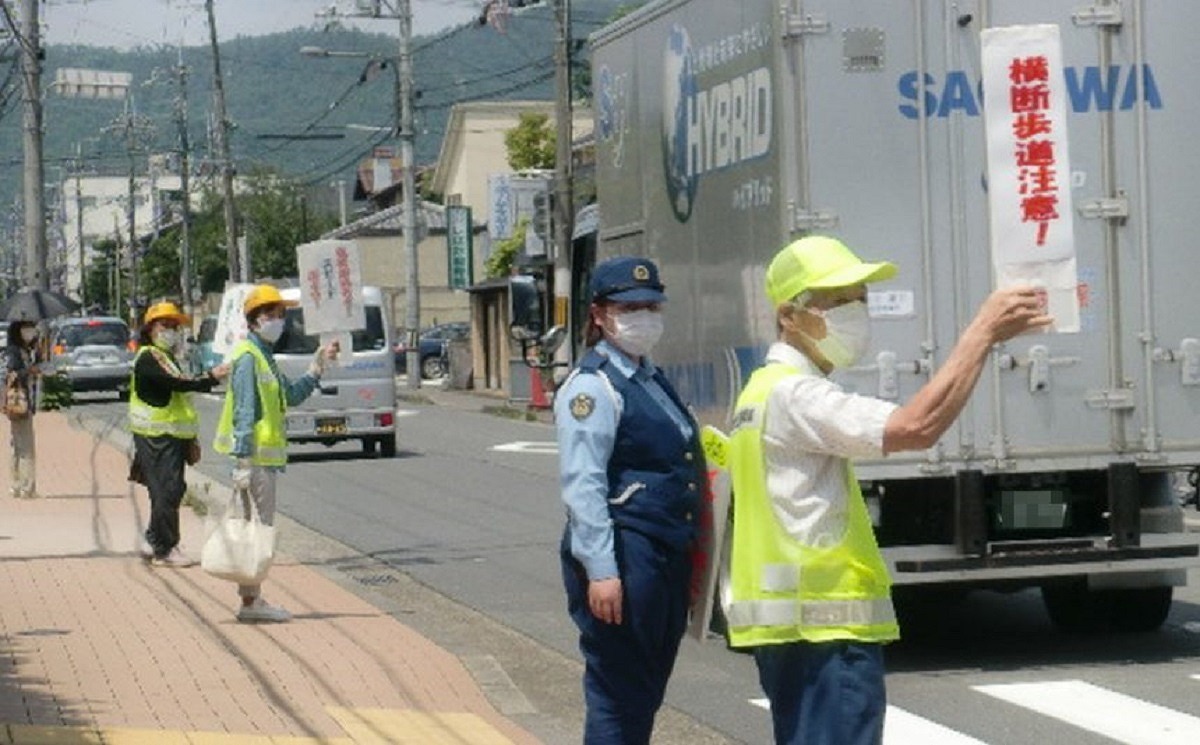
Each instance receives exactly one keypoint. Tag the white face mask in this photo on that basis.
(270, 329)
(168, 338)
(637, 331)
(847, 334)
(28, 334)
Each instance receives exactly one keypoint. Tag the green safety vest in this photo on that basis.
(778, 589)
(176, 419)
(270, 433)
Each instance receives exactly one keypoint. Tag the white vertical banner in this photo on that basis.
(1029, 168)
(500, 199)
(231, 321)
(331, 290)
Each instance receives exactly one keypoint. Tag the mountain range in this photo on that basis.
(309, 118)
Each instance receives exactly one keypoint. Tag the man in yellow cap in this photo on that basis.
(252, 427)
(164, 425)
(809, 592)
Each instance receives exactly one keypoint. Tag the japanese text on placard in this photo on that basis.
(1033, 129)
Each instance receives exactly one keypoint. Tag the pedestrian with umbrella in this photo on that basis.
(24, 311)
(36, 305)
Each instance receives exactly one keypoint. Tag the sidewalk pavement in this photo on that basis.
(96, 646)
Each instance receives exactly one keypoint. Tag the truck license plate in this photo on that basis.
(331, 426)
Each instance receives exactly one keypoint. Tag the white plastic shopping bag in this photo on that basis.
(239, 547)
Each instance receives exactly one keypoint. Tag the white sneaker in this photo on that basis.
(175, 559)
(260, 611)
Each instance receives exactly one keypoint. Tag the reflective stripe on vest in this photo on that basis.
(778, 590)
(270, 435)
(176, 419)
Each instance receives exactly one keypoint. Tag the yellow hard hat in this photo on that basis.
(165, 311)
(265, 295)
(819, 263)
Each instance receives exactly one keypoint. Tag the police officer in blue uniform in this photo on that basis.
(631, 471)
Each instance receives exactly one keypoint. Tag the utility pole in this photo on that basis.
(185, 247)
(134, 131)
(401, 10)
(79, 223)
(236, 271)
(559, 279)
(564, 132)
(340, 185)
(34, 174)
(412, 316)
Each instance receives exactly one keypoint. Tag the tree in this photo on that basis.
(275, 220)
(530, 144)
(504, 253)
(99, 275)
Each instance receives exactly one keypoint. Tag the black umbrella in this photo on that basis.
(36, 305)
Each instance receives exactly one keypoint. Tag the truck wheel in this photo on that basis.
(387, 446)
(368, 445)
(1140, 609)
(1074, 608)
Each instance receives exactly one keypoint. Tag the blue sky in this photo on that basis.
(130, 23)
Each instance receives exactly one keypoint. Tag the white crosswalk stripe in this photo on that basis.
(536, 448)
(901, 727)
(905, 728)
(1119, 717)
(1114, 715)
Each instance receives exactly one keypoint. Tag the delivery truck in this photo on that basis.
(724, 130)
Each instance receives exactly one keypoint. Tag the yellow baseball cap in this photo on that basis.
(165, 311)
(820, 263)
(265, 295)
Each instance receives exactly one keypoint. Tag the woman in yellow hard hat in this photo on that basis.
(164, 425)
(252, 428)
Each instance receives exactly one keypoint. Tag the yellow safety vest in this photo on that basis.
(779, 590)
(176, 419)
(270, 434)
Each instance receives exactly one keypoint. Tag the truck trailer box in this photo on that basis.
(725, 130)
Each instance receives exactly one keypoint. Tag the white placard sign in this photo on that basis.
(1029, 168)
(231, 321)
(330, 287)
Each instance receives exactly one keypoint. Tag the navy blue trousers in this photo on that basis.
(628, 665)
(831, 693)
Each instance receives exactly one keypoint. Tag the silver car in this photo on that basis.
(93, 353)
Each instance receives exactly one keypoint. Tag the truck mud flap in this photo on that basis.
(1038, 553)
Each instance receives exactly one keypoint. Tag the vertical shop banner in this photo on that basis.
(500, 197)
(231, 320)
(1029, 168)
(459, 237)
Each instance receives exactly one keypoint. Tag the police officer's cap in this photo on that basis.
(626, 279)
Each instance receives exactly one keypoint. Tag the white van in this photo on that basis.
(357, 395)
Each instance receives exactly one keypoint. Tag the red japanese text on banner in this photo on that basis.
(331, 286)
(1029, 166)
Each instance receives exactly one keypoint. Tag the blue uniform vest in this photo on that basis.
(655, 475)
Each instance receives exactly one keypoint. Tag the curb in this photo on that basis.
(530, 683)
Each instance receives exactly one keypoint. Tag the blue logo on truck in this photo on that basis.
(720, 125)
(679, 91)
(1089, 88)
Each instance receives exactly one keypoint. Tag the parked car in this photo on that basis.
(93, 353)
(201, 358)
(433, 362)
